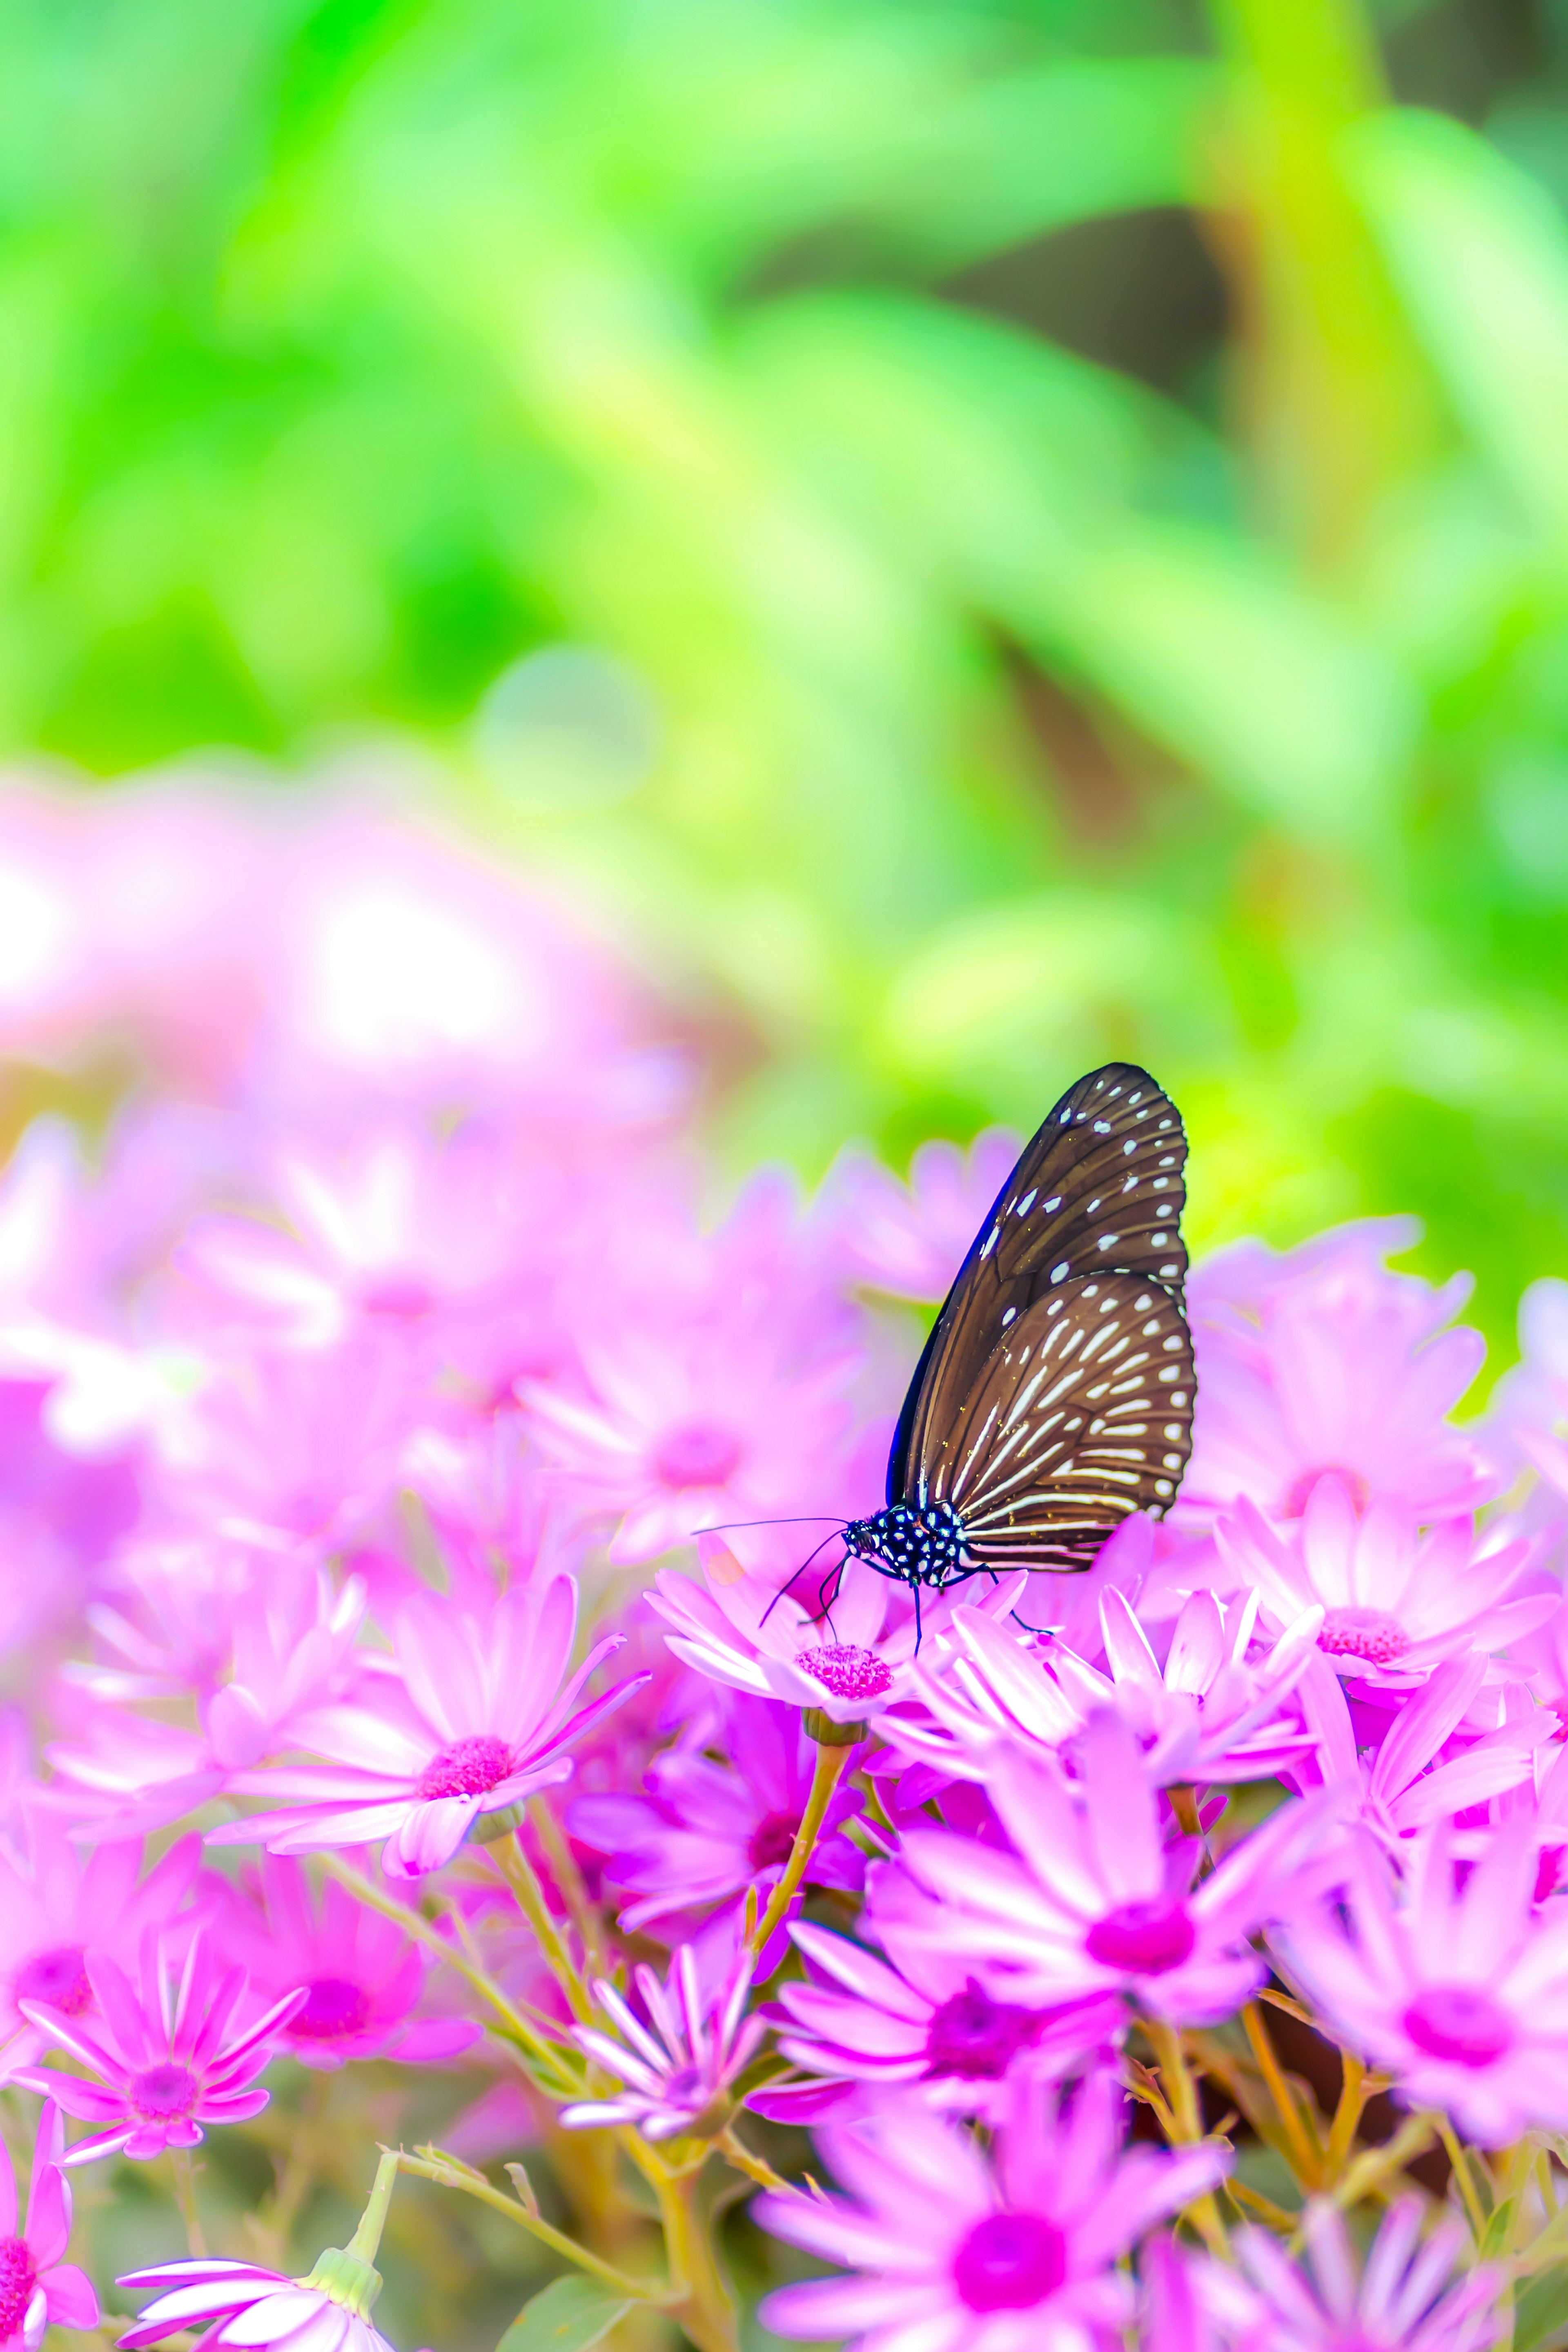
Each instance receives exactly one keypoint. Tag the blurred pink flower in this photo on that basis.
(1323, 1361)
(362, 1979)
(1396, 1600)
(1461, 1993)
(37, 2290)
(930, 2020)
(909, 1240)
(842, 1641)
(1403, 1787)
(237, 2305)
(950, 2251)
(680, 2060)
(704, 1833)
(1405, 2297)
(166, 2060)
(1095, 1896)
(480, 1718)
(58, 1907)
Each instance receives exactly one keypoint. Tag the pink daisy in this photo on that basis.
(241, 2309)
(37, 2290)
(482, 1717)
(165, 2061)
(947, 2250)
(1404, 2296)
(909, 1240)
(680, 2059)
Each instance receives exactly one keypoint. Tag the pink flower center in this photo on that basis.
(402, 1294)
(1146, 1938)
(975, 2038)
(58, 1977)
(1295, 1501)
(1009, 2262)
(467, 1768)
(1369, 1633)
(18, 2276)
(772, 1841)
(846, 1671)
(1460, 2023)
(161, 2091)
(697, 1454)
(332, 2006)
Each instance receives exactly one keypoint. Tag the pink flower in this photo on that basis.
(58, 1908)
(165, 2062)
(1209, 1714)
(238, 2305)
(1395, 1601)
(1405, 2299)
(1460, 1994)
(950, 2251)
(705, 1832)
(681, 2064)
(909, 1240)
(37, 2290)
(1323, 1361)
(1095, 1897)
(480, 1719)
(723, 1400)
(842, 1641)
(931, 2022)
(1404, 1787)
(362, 1979)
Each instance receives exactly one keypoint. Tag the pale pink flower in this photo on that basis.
(1403, 1787)
(680, 2060)
(1403, 2297)
(363, 1977)
(482, 1717)
(59, 1907)
(843, 1641)
(857, 2020)
(1321, 1361)
(948, 2250)
(1095, 1895)
(1395, 1600)
(242, 2308)
(1209, 1714)
(37, 2290)
(909, 1240)
(166, 2059)
(1461, 1993)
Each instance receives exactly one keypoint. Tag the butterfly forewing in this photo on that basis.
(1082, 1413)
(1097, 1193)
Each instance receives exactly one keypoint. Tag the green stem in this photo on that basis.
(367, 2238)
(518, 1873)
(449, 2172)
(185, 2198)
(1181, 2097)
(830, 1763)
(569, 1879)
(704, 2309)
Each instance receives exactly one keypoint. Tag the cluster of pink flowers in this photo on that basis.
(420, 1532)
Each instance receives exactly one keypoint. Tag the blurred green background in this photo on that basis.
(988, 535)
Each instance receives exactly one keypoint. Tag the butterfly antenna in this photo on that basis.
(810, 1520)
(794, 1580)
(823, 1615)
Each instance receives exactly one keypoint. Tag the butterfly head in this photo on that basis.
(917, 1545)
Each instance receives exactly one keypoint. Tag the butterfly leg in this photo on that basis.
(794, 1580)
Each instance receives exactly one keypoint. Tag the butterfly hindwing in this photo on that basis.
(1099, 1191)
(1082, 1413)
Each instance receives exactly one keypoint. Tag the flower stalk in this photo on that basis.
(827, 1771)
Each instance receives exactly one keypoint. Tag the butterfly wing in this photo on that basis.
(1082, 1413)
(1096, 1196)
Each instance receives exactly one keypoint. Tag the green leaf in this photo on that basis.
(571, 2314)
(1495, 2236)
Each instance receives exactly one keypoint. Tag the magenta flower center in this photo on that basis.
(18, 2276)
(58, 1977)
(697, 1454)
(1146, 1938)
(772, 1841)
(397, 1295)
(846, 1671)
(1009, 2262)
(1369, 1633)
(1355, 1486)
(975, 2038)
(467, 1768)
(161, 2091)
(332, 2006)
(1460, 2023)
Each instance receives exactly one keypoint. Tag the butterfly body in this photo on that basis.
(1055, 1395)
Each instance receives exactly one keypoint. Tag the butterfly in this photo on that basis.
(1055, 1395)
